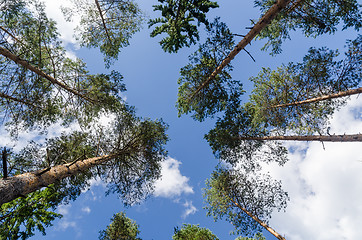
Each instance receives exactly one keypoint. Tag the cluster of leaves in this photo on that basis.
(21, 217)
(107, 25)
(29, 100)
(312, 17)
(121, 227)
(177, 21)
(319, 74)
(230, 193)
(193, 232)
(219, 94)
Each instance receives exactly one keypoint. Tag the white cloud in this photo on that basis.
(190, 209)
(66, 29)
(86, 209)
(64, 225)
(64, 209)
(172, 183)
(324, 185)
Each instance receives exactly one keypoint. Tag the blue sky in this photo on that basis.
(324, 185)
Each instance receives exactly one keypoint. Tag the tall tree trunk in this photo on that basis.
(103, 21)
(257, 28)
(272, 231)
(22, 184)
(329, 138)
(321, 98)
(6, 53)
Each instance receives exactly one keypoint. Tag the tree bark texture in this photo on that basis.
(264, 225)
(22, 184)
(321, 98)
(257, 28)
(328, 138)
(6, 53)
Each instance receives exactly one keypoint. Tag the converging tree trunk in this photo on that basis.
(329, 138)
(257, 28)
(264, 225)
(321, 98)
(22, 184)
(103, 21)
(6, 53)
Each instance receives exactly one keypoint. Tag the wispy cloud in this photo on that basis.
(324, 185)
(190, 209)
(172, 183)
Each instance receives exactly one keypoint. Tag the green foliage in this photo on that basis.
(226, 145)
(29, 101)
(258, 236)
(193, 232)
(258, 194)
(121, 227)
(312, 17)
(319, 74)
(110, 28)
(141, 146)
(21, 217)
(219, 94)
(177, 21)
(33, 37)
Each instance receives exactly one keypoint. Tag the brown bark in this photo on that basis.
(103, 21)
(257, 28)
(6, 53)
(329, 138)
(272, 231)
(321, 98)
(25, 183)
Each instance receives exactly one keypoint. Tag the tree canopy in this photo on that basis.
(121, 227)
(42, 85)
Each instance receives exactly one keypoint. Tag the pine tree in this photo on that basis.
(107, 25)
(218, 95)
(245, 200)
(121, 227)
(177, 22)
(280, 97)
(312, 17)
(189, 231)
(127, 153)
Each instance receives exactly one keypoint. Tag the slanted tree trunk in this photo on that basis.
(329, 138)
(103, 21)
(257, 28)
(264, 225)
(6, 53)
(22, 184)
(321, 98)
